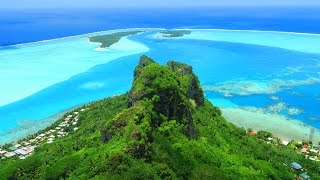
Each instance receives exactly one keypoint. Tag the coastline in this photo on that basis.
(82, 36)
(248, 30)
(232, 113)
(123, 47)
(32, 127)
(159, 28)
(280, 126)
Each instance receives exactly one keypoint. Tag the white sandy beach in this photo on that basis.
(278, 125)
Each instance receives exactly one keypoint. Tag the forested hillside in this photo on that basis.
(163, 128)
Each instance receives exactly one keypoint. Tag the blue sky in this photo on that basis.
(155, 3)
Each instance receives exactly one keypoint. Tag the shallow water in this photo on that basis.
(65, 73)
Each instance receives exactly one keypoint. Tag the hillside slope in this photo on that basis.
(163, 128)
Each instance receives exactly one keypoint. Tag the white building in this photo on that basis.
(285, 142)
(10, 154)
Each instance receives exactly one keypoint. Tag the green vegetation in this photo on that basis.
(175, 33)
(110, 39)
(162, 129)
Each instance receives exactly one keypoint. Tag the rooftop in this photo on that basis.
(296, 165)
(304, 176)
(13, 148)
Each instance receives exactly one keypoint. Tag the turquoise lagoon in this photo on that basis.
(263, 80)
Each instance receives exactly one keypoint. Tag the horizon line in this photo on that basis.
(161, 6)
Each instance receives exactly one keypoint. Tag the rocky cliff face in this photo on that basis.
(175, 90)
(192, 83)
(185, 82)
(158, 95)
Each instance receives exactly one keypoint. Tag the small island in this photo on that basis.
(110, 39)
(175, 33)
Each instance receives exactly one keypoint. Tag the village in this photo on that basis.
(309, 150)
(24, 148)
(69, 123)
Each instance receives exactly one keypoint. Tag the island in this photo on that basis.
(163, 128)
(110, 39)
(175, 33)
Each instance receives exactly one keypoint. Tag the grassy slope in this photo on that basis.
(135, 148)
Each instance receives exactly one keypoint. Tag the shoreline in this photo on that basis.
(81, 36)
(248, 30)
(23, 132)
(280, 126)
(116, 52)
(132, 29)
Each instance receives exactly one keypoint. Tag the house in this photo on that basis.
(21, 152)
(316, 146)
(314, 150)
(304, 150)
(303, 176)
(52, 136)
(25, 143)
(10, 154)
(296, 166)
(13, 148)
(285, 143)
(2, 152)
(313, 158)
(29, 149)
(17, 145)
(38, 138)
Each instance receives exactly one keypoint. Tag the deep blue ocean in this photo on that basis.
(238, 60)
(21, 26)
